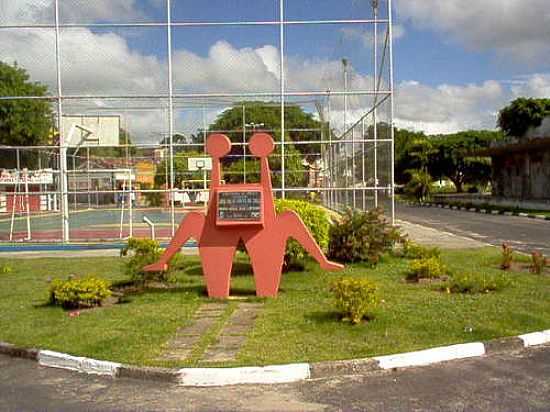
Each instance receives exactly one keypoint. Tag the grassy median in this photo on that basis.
(301, 325)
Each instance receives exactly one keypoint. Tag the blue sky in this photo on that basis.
(457, 62)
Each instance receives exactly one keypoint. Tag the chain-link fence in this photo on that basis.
(132, 89)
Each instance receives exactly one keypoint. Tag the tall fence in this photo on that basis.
(133, 89)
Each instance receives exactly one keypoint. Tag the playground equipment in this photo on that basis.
(242, 212)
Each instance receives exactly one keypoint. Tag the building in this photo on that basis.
(521, 166)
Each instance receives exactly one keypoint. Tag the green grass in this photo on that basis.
(300, 325)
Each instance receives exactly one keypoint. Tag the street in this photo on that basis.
(522, 233)
(507, 382)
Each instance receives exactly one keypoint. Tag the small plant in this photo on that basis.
(5, 269)
(426, 268)
(78, 293)
(362, 237)
(316, 220)
(142, 252)
(507, 257)
(476, 283)
(354, 298)
(538, 262)
(412, 250)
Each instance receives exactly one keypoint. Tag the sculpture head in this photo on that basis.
(218, 145)
(261, 145)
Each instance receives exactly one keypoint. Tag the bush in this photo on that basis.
(78, 293)
(413, 250)
(427, 268)
(362, 237)
(354, 298)
(5, 269)
(317, 221)
(142, 252)
(476, 283)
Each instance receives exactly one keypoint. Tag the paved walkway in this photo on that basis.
(206, 320)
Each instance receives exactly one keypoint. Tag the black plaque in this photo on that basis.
(240, 206)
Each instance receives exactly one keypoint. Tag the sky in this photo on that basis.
(457, 62)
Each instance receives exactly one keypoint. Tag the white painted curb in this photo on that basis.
(247, 375)
(428, 356)
(535, 338)
(76, 363)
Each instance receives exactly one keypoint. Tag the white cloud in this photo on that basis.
(535, 85)
(366, 37)
(513, 28)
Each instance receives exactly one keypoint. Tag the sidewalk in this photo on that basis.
(433, 237)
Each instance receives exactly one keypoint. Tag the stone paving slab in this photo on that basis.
(233, 335)
(205, 317)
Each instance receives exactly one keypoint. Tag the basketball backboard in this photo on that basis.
(199, 163)
(91, 130)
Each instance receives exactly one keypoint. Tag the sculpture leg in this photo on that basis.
(217, 262)
(266, 254)
(190, 227)
(290, 224)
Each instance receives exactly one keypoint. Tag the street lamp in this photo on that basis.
(254, 126)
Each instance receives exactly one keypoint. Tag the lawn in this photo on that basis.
(301, 325)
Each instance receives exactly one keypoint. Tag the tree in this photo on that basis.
(455, 159)
(269, 116)
(295, 175)
(419, 185)
(23, 122)
(516, 118)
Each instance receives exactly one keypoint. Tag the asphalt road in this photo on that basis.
(522, 233)
(506, 382)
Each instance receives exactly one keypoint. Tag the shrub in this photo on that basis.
(427, 268)
(538, 262)
(5, 269)
(354, 298)
(362, 237)
(476, 283)
(317, 221)
(507, 257)
(413, 250)
(78, 293)
(142, 252)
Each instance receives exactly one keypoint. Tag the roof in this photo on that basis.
(516, 146)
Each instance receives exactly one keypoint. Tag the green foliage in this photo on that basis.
(78, 293)
(412, 250)
(507, 257)
(5, 269)
(426, 268)
(476, 283)
(354, 298)
(516, 118)
(142, 252)
(455, 158)
(538, 262)
(362, 237)
(316, 220)
(269, 114)
(295, 172)
(23, 122)
(420, 185)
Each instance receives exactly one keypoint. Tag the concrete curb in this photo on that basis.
(273, 374)
(480, 210)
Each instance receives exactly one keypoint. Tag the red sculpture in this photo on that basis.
(247, 212)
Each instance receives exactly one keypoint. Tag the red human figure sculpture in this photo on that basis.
(265, 235)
